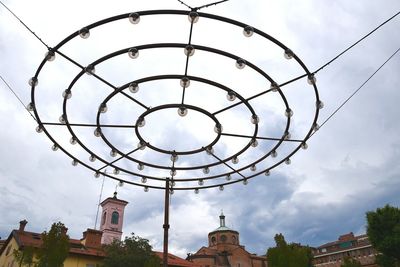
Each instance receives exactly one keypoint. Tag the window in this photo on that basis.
(223, 238)
(213, 240)
(103, 220)
(114, 217)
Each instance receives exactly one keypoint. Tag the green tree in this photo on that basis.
(133, 251)
(288, 255)
(383, 230)
(55, 247)
(350, 262)
(24, 257)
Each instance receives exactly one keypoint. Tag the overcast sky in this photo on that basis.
(351, 165)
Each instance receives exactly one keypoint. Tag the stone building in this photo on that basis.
(333, 253)
(224, 249)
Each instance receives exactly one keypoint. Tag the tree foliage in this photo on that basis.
(350, 262)
(133, 251)
(383, 230)
(24, 257)
(55, 247)
(288, 255)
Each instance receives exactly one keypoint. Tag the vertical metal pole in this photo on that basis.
(166, 223)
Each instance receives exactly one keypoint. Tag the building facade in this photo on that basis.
(224, 249)
(85, 252)
(332, 254)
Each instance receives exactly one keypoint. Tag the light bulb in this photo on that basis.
(144, 180)
(274, 154)
(140, 166)
(255, 119)
(39, 129)
(196, 191)
(235, 160)
(201, 182)
(146, 189)
(218, 128)
(254, 143)
(90, 70)
(141, 145)
(172, 183)
(73, 140)
(97, 174)
(189, 50)
(193, 17)
(231, 96)
(120, 183)
(221, 188)
(206, 170)
(174, 157)
(240, 63)
(228, 177)
(253, 168)
(315, 127)
(185, 82)
(133, 52)
(248, 31)
(30, 107)
(274, 87)
(311, 79)
(103, 108)
(33, 81)
(116, 171)
(287, 136)
(320, 104)
(288, 161)
(50, 56)
(62, 119)
(267, 173)
(182, 111)
(97, 132)
(141, 122)
(54, 147)
(288, 53)
(134, 18)
(245, 182)
(288, 113)
(84, 33)
(210, 150)
(172, 172)
(171, 191)
(304, 145)
(67, 94)
(133, 87)
(113, 153)
(92, 158)
(74, 162)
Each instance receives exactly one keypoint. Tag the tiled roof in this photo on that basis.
(175, 261)
(30, 239)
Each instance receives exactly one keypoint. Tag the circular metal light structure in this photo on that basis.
(204, 165)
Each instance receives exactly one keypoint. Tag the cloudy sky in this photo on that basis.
(350, 167)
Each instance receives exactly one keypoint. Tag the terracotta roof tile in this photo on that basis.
(176, 261)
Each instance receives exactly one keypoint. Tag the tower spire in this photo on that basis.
(222, 219)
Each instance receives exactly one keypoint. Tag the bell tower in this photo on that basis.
(112, 217)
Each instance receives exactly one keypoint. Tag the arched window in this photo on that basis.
(114, 217)
(103, 220)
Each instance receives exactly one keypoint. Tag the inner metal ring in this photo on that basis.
(168, 106)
